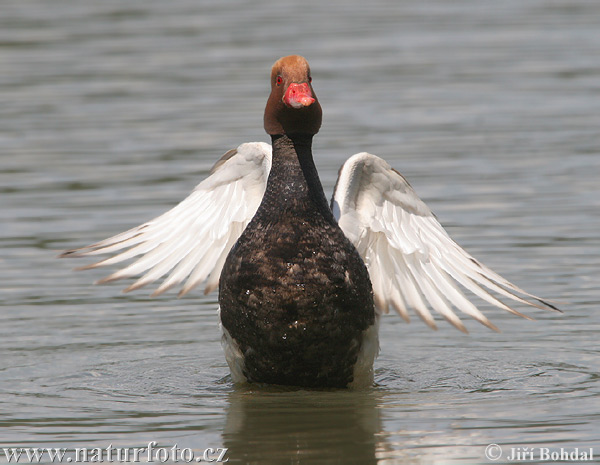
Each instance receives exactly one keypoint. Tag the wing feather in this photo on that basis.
(190, 242)
(412, 261)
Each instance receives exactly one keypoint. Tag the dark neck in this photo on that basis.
(293, 182)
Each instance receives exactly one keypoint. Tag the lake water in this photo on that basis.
(111, 112)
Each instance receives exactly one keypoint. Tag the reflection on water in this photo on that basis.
(113, 111)
(270, 425)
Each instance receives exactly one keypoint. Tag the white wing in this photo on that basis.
(412, 261)
(192, 240)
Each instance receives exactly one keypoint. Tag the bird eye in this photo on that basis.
(279, 80)
(309, 78)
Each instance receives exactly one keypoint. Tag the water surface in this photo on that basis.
(113, 111)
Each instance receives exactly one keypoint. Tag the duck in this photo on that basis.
(303, 282)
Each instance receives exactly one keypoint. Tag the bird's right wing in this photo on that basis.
(192, 240)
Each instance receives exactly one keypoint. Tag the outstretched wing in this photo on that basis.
(192, 240)
(412, 261)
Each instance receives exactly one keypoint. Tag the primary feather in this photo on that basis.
(411, 259)
(192, 240)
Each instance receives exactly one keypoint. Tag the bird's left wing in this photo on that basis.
(192, 240)
(412, 261)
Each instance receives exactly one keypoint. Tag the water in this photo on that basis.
(112, 112)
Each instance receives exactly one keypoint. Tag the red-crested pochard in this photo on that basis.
(302, 284)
